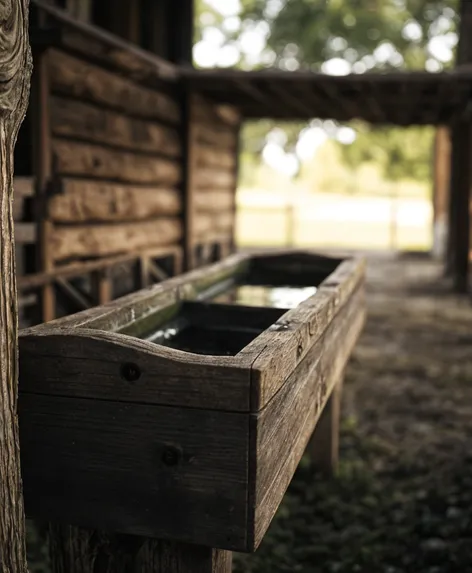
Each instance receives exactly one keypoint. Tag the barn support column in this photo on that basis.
(457, 262)
(15, 69)
(441, 195)
(459, 211)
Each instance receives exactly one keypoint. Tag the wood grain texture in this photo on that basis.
(87, 364)
(214, 200)
(75, 77)
(205, 111)
(324, 443)
(95, 43)
(133, 308)
(87, 160)
(25, 233)
(212, 177)
(82, 241)
(35, 280)
(83, 200)
(280, 432)
(15, 71)
(75, 119)
(164, 472)
(278, 350)
(215, 157)
(209, 224)
(76, 550)
(212, 136)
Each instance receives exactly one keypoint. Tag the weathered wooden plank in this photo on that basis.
(87, 160)
(291, 338)
(75, 550)
(209, 224)
(204, 111)
(85, 267)
(84, 241)
(213, 200)
(43, 170)
(98, 44)
(88, 364)
(165, 472)
(75, 77)
(211, 177)
(75, 119)
(324, 442)
(280, 432)
(23, 187)
(25, 233)
(214, 157)
(86, 200)
(224, 139)
(136, 306)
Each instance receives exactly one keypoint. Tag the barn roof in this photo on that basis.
(401, 98)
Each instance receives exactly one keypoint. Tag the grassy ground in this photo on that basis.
(402, 500)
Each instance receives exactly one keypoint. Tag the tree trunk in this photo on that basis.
(15, 70)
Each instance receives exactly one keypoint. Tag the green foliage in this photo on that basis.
(401, 153)
(370, 35)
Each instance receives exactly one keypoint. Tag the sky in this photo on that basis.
(212, 52)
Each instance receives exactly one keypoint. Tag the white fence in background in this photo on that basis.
(330, 220)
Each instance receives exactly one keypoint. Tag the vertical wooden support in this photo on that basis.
(101, 286)
(232, 245)
(43, 170)
(189, 130)
(324, 444)
(15, 70)
(457, 263)
(76, 550)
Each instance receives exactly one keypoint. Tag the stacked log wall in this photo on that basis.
(116, 152)
(213, 178)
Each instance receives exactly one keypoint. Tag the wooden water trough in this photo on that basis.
(180, 412)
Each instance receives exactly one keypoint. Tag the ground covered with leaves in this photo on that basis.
(402, 499)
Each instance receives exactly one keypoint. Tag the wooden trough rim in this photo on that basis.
(257, 372)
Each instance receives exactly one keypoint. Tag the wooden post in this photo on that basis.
(189, 131)
(75, 550)
(324, 444)
(43, 171)
(101, 286)
(15, 71)
(457, 263)
(459, 215)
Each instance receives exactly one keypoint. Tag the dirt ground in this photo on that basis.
(402, 499)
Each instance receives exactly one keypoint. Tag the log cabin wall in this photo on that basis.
(116, 163)
(102, 155)
(129, 171)
(213, 179)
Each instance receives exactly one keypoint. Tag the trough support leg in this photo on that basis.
(75, 550)
(324, 444)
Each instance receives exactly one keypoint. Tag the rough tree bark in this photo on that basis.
(15, 70)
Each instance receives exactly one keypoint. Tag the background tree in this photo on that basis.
(341, 36)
